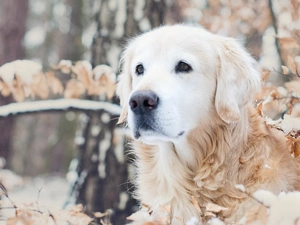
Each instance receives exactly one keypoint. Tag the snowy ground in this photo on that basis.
(50, 192)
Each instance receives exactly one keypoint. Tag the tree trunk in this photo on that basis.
(13, 15)
(103, 169)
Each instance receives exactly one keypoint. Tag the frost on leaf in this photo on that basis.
(64, 66)
(285, 70)
(104, 81)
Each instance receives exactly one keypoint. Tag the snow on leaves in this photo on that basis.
(283, 102)
(31, 214)
(34, 214)
(25, 78)
(282, 209)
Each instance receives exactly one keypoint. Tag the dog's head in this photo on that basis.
(176, 77)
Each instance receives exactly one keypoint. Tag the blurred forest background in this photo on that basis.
(47, 31)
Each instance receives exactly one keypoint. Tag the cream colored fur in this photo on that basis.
(225, 141)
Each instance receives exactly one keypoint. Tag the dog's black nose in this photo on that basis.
(143, 101)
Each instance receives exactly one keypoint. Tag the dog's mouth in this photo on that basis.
(147, 128)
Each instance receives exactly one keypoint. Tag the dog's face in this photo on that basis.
(175, 77)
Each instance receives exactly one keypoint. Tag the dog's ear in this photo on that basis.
(238, 79)
(124, 84)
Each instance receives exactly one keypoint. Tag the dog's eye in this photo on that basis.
(139, 69)
(183, 67)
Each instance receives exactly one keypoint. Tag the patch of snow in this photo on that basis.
(194, 221)
(35, 37)
(289, 123)
(144, 24)
(95, 130)
(120, 19)
(283, 209)
(79, 140)
(138, 11)
(9, 179)
(101, 170)
(72, 175)
(119, 145)
(123, 200)
(49, 192)
(105, 117)
(215, 221)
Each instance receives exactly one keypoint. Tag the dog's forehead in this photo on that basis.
(170, 38)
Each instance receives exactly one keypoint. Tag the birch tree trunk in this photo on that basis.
(103, 168)
(13, 15)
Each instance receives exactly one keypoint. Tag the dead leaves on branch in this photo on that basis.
(33, 214)
(24, 78)
(283, 102)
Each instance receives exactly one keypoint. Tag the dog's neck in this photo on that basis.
(202, 165)
(212, 140)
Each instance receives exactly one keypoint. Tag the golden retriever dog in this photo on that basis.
(187, 97)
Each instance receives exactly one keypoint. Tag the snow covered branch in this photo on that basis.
(57, 105)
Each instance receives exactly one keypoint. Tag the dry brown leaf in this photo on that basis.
(74, 215)
(54, 83)
(211, 207)
(5, 89)
(18, 92)
(291, 64)
(99, 214)
(293, 86)
(39, 86)
(265, 75)
(264, 92)
(26, 215)
(288, 42)
(196, 204)
(209, 214)
(294, 144)
(74, 89)
(285, 70)
(83, 70)
(259, 108)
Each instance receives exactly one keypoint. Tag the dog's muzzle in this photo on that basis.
(143, 104)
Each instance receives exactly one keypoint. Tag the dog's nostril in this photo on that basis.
(133, 104)
(150, 103)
